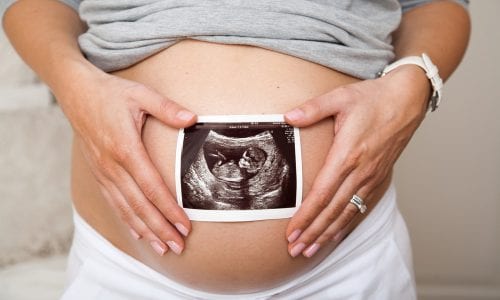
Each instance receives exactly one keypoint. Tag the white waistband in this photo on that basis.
(89, 243)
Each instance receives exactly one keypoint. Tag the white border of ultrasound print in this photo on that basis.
(240, 215)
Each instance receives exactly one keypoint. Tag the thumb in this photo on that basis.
(164, 109)
(313, 110)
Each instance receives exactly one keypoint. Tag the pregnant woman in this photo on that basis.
(128, 74)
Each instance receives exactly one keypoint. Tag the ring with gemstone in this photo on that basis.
(359, 203)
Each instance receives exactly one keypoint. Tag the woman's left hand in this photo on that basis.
(374, 121)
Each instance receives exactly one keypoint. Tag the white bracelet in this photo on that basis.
(431, 71)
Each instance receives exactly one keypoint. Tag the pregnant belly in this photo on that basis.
(220, 79)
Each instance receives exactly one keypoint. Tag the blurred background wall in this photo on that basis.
(448, 178)
(35, 207)
(34, 164)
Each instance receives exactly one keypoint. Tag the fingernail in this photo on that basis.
(311, 250)
(294, 235)
(295, 114)
(159, 248)
(341, 235)
(338, 236)
(182, 229)
(175, 247)
(184, 115)
(134, 234)
(297, 249)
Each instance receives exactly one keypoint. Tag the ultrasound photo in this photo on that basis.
(239, 168)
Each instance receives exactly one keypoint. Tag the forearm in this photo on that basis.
(45, 33)
(441, 29)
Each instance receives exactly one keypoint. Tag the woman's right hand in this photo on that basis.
(108, 114)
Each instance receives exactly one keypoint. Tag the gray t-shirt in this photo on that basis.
(350, 36)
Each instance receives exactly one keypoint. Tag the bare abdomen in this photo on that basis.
(220, 79)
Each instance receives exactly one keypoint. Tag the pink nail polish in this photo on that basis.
(175, 247)
(338, 236)
(311, 250)
(294, 235)
(182, 229)
(295, 114)
(297, 249)
(134, 234)
(184, 115)
(158, 248)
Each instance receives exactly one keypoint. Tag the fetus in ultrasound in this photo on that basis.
(247, 166)
(252, 161)
(236, 173)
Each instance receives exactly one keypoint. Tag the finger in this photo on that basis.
(164, 109)
(138, 229)
(335, 211)
(345, 218)
(343, 233)
(322, 191)
(334, 231)
(338, 229)
(150, 182)
(149, 214)
(316, 109)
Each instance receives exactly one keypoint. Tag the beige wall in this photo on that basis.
(449, 176)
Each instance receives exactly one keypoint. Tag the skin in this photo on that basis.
(114, 150)
(374, 121)
(370, 134)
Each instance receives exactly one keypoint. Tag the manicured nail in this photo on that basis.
(295, 114)
(159, 248)
(134, 234)
(341, 235)
(294, 235)
(297, 249)
(311, 250)
(175, 247)
(184, 115)
(182, 229)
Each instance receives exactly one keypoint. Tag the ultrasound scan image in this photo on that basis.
(238, 166)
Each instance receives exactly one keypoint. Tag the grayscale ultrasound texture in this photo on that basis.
(239, 168)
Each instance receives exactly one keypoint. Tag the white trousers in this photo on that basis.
(373, 262)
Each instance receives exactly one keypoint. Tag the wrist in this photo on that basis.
(411, 89)
(431, 71)
(71, 73)
(414, 78)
